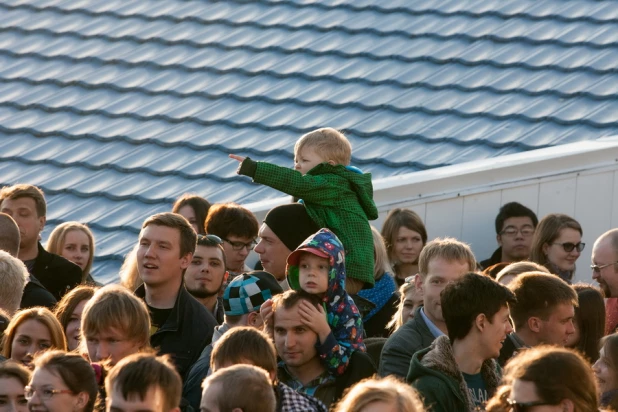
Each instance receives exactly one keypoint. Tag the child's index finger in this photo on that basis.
(236, 157)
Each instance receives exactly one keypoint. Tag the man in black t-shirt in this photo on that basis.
(180, 325)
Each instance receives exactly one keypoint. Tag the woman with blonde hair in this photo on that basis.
(32, 331)
(129, 275)
(384, 395)
(74, 241)
(557, 245)
(410, 299)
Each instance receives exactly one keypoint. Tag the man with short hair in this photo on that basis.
(515, 225)
(605, 272)
(241, 301)
(302, 368)
(206, 274)
(180, 325)
(26, 204)
(9, 235)
(441, 261)
(143, 382)
(284, 228)
(239, 388)
(458, 372)
(542, 314)
(238, 228)
(13, 278)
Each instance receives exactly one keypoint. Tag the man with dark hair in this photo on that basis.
(238, 228)
(458, 372)
(9, 235)
(515, 225)
(543, 313)
(206, 274)
(241, 302)
(251, 346)
(302, 368)
(143, 382)
(284, 228)
(441, 261)
(48, 272)
(180, 325)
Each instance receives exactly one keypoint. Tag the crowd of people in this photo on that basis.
(335, 316)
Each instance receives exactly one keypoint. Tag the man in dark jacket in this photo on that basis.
(441, 261)
(458, 372)
(26, 204)
(515, 225)
(180, 325)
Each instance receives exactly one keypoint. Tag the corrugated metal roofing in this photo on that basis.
(117, 107)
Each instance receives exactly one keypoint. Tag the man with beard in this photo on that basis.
(605, 272)
(206, 274)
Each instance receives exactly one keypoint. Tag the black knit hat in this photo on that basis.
(291, 223)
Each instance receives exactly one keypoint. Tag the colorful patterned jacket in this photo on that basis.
(342, 314)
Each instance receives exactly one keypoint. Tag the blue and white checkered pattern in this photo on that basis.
(245, 294)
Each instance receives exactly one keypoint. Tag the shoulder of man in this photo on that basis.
(398, 349)
(291, 401)
(35, 294)
(47, 262)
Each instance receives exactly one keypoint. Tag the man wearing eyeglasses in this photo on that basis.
(238, 228)
(515, 225)
(605, 272)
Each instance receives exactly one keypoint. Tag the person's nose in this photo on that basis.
(595, 366)
(570, 327)
(289, 340)
(595, 275)
(296, 166)
(149, 253)
(259, 248)
(102, 352)
(509, 328)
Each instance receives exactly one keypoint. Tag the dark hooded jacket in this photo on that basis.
(336, 197)
(435, 374)
(342, 314)
(55, 273)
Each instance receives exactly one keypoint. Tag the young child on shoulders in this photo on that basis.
(337, 196)
(318, 267)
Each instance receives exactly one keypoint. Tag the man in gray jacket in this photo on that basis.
(441, 261)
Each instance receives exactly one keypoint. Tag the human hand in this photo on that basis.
(315, 318)
(266, 312)
(236, 157)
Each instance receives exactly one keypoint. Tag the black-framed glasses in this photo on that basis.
(568, 246)
(212, 239)
(524, 406)
(240, 245)
(45, 394)
(511, 231)
(599, 268)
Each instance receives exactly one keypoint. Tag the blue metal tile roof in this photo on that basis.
(117, 107)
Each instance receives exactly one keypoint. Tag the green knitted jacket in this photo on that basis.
(335, 198)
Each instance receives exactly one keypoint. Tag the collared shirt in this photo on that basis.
(435, 331)
(311, 388)
(290, 400)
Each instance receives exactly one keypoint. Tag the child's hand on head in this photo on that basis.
(315, 319)
(266, 312)
(236, 157)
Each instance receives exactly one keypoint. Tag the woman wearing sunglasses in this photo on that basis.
(557, 244)
(62, 382)
(546, 379)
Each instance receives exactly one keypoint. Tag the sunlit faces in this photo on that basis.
(413, 299)
(31, 337)
(112, 345)
(73, 330)
(407, 245)
(12, 397)
(605, 373)
(295, 342)
(23, 210)
(236, 258)
(555, 330)
(63, 400)
(494, 332)
(306, 159)
(153, 401)
(556, 254)
(516, 238)
(76, 248)
(441, 273)
(603, 254)
(273, 252)
(313, 273)
(206, 273)
(188, 213)
(158, 255)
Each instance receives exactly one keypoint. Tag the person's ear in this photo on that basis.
(82, 400)
(480, 321)
(186, 260)
(254, 319)
(225, 276)
(42, 221)
(567, 405)
(545, 248)
(418, 283)
(175, 410)
(534, 324)
(331, 162)
(499, 240)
